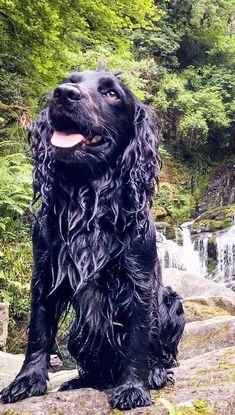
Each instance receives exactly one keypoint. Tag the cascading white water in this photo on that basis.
(201, 246)
(226, 255)
(169, 252)
(190, 255)
(193, 255)
(185, 256)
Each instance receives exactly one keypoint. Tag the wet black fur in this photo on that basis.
(95, 249)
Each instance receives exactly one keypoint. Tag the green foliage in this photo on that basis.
(194, 109)
(175, 193)
(15, 247)
(42, 40)
(197, 408)
(195, 104)
(168, 405)
(176, 200)
(15, 190)
(15, 265)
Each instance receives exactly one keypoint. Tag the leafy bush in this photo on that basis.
(15, 191)
(15, 246)
(192, 113)
(15, 276)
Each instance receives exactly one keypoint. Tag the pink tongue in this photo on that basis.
(63, 140)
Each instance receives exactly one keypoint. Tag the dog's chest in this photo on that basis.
(86, 246)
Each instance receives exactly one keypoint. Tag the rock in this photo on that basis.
(208, 377)
(82, 402)
(205, 381)
(56, 363)
(203, 336)
(4, 318)
(190, 286)
(204, 385)
(197, 309)
(159, 212)
(214, 219)
(220, 189)
(56, 379)
(10, 365)
(166, 229)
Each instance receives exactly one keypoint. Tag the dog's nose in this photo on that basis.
(66, 91)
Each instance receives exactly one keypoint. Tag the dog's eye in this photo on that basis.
(112, 95)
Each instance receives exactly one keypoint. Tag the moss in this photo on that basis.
(116, 412)
(214, 219)
(211, 265)
(175, 194)
(13, 412)
(224, 362)
(224, 365)
(199, 408)
(162, 393)
(191, 340)
(210, 225)
(203, 311)
(159, 212)
(167, 228)
(231, 377)
(207, 377)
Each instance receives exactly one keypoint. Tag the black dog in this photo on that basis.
(96, 161)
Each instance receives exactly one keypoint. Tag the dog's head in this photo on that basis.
(96, 125)
(92, 115)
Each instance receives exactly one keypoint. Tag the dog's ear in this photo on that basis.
(141, 161)
(102, 66)
(39, 135)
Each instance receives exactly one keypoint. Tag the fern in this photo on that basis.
(16, 183)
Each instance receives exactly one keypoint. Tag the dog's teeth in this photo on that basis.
(96, 139)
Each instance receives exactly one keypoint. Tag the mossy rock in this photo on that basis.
(203, 336)
(204, 386)
(212, 248)
(214, 219)
(166, 228)
(220, 189)
(198, 408)
(159, 212)
(211, 265)
(198, 309)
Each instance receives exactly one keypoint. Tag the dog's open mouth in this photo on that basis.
(63, 140)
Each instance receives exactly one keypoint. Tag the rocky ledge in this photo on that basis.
(205, 379)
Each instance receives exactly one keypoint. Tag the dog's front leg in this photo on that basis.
(45, 313)
(134, 390)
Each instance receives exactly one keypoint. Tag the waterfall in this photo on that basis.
(201, 246)
(185, 256)
(192, 255)
(226, 255)
(169, 252)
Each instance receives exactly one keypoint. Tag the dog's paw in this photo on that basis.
(71, 384)
(170, 377)
(159, 377)
(24, 386)
(130, 396)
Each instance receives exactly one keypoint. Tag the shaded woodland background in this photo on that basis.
(178, 56)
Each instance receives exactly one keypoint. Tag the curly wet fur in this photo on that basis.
(95, 249)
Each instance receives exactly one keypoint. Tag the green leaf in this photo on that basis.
(171, 409)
